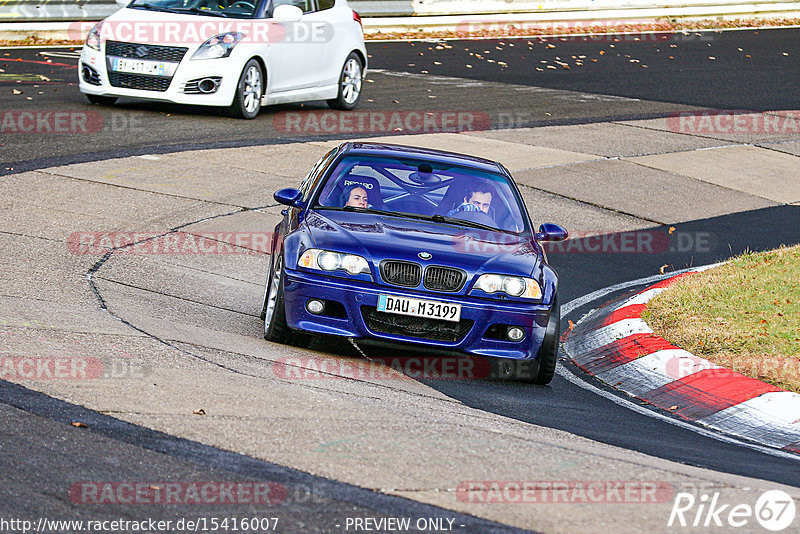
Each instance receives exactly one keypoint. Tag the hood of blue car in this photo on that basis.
(379, 237)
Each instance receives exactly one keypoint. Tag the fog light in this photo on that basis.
(315, 306)
(515, 333)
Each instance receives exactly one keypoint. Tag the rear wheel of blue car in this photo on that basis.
(274, 312)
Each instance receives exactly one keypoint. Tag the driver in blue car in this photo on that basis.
(477, 198)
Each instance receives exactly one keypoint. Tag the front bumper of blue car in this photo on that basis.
(349, 310)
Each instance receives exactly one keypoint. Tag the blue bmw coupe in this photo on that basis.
(414, 247)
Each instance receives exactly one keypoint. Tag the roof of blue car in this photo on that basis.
(403, 151)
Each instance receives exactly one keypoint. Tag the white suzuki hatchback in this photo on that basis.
(241, 54)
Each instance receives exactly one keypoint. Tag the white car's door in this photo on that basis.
(340, 23)
(296, 60)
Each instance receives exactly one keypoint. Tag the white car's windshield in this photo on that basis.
(211, 8)
(424, 188)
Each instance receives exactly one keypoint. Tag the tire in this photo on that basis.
(247, 100)
(102, 100)
(266, 294)
(548, 353)
(350, 80)
(274, 313)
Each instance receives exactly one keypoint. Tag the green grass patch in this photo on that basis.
(744, 315)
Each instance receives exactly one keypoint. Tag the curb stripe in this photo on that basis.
(793, 447)
(706, 392)
(631, 311)
(614, 344)
(614, 332)
(643, 297)
(775, 414)
(620, 352)
(669, 281)
(652, 371)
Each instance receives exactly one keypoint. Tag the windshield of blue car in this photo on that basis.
(211, 8)
(424, 188)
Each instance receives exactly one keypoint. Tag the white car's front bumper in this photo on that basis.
(228, 69)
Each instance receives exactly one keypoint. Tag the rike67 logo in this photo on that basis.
(774, 510)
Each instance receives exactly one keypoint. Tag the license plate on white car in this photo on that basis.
(419, 308)
(152, 68)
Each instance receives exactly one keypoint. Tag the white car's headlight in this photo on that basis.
(325, 260)
(515, 286)
(218, 46)
(93, 38)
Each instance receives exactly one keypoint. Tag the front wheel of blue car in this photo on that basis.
(548, 353)
(274, 312)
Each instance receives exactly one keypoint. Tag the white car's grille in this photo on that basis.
(172, 54)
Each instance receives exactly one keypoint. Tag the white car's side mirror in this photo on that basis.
(123, 3)
(287, 13)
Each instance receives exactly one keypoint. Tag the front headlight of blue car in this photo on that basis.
(326, 260)
(513, 286)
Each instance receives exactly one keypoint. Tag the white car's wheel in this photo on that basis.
(350, 81)
(247, 100)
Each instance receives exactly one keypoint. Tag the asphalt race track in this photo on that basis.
(523, 96)
(330, 450)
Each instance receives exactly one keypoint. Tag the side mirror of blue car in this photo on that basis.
(289, 197)
(551, 232)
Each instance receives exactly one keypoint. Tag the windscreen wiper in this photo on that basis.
(201, 12)
(151, 7)
(435, 218)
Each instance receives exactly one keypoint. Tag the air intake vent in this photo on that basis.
(139, 81)
(401, 273)
(173, 54)
(89, 74)
(416, 327)
(444, 278)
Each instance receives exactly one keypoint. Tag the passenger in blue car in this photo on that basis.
(355, 195)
